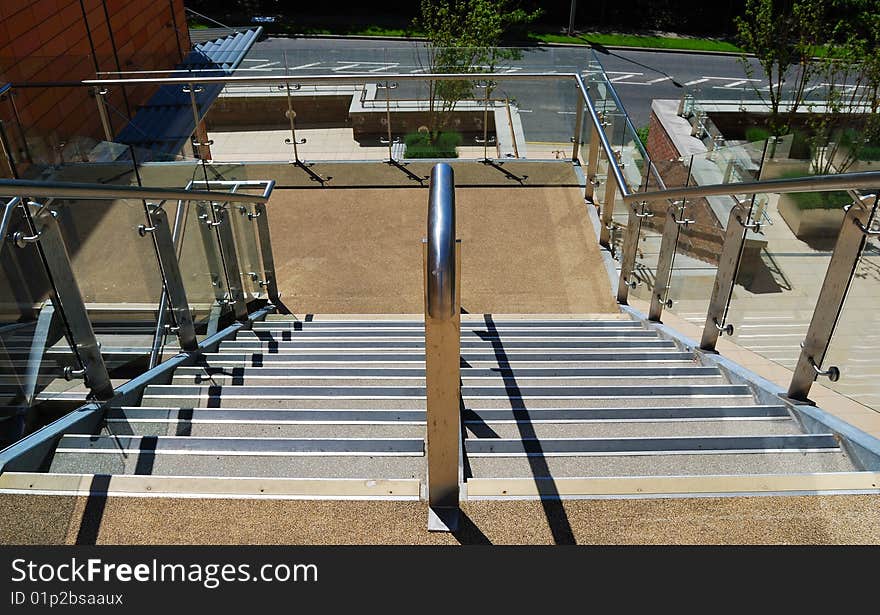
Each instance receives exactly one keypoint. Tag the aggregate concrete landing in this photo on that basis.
(30, 519)
(523, 251)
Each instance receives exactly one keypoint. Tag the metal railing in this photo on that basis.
(442, 264)
(45, 216)
(441, 270)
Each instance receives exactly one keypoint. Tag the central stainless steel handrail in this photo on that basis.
(68, 190)
(810, 183)
(613, 169)
(441, 243)
(442, 353)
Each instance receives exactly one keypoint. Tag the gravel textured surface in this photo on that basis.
(739, 520)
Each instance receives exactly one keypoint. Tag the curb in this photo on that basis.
(421, 39)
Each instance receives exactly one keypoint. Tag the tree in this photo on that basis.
(784, 36)
(845, 119)
(464, 37)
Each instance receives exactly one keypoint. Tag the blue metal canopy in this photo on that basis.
(163, 125)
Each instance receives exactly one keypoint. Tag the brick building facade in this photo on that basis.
(71, 40)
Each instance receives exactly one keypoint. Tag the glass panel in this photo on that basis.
(200, 267)
(784, 260)
(648, 248)
(33, 347)
(694, 267)
(118, 275)
(853, 347)
(244, 228)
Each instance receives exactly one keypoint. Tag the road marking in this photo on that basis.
(743, 79)
(653, 81)
(265, 65)
(304, 66)
(696, 81)
(735, 83)
(381, 68)
(567, 112)
(622, 77)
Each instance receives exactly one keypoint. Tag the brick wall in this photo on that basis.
(660, 146)
(49, 40)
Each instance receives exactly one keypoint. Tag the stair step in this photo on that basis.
(243, 422)
(629, 414)
(466, 334)
(474, 377)
(370, 345)
(224, 465)
(263, 429)
(305, 373)
(631, 429)
(651, 445)
(467, 392)
(259, 359)
(276, 324)
(499, 466)
(240, 446)
(88, 484)
(305, 415)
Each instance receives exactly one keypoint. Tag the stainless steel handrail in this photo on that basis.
(442, 352)
(65, 190)
(613, 168)
(620, 106)
(441, 243)
(354, 78)
(810, 183)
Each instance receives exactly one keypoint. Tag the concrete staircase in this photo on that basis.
(550, 407)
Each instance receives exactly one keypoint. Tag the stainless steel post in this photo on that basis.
(725, 277)
(592, 163)
(608, 206)
(291, 116)
(7, 151)
(668, 245)
(388, 86)
(850, 242)
(637, 213)
(204, 152)
(578, 126)
(266, 252)
(54, 253)
(102, 112)
(486, 123)
(442, 352)
(161, 232)
(223, 225)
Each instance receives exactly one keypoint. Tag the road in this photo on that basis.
(547, 107)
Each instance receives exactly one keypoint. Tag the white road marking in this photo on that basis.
(305, 66)
(622, 77)
(653, 81)
(696, 81)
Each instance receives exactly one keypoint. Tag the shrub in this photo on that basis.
(757, 133)
(643, 135)
(419, 145)
(818, 200)
(869, 152)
